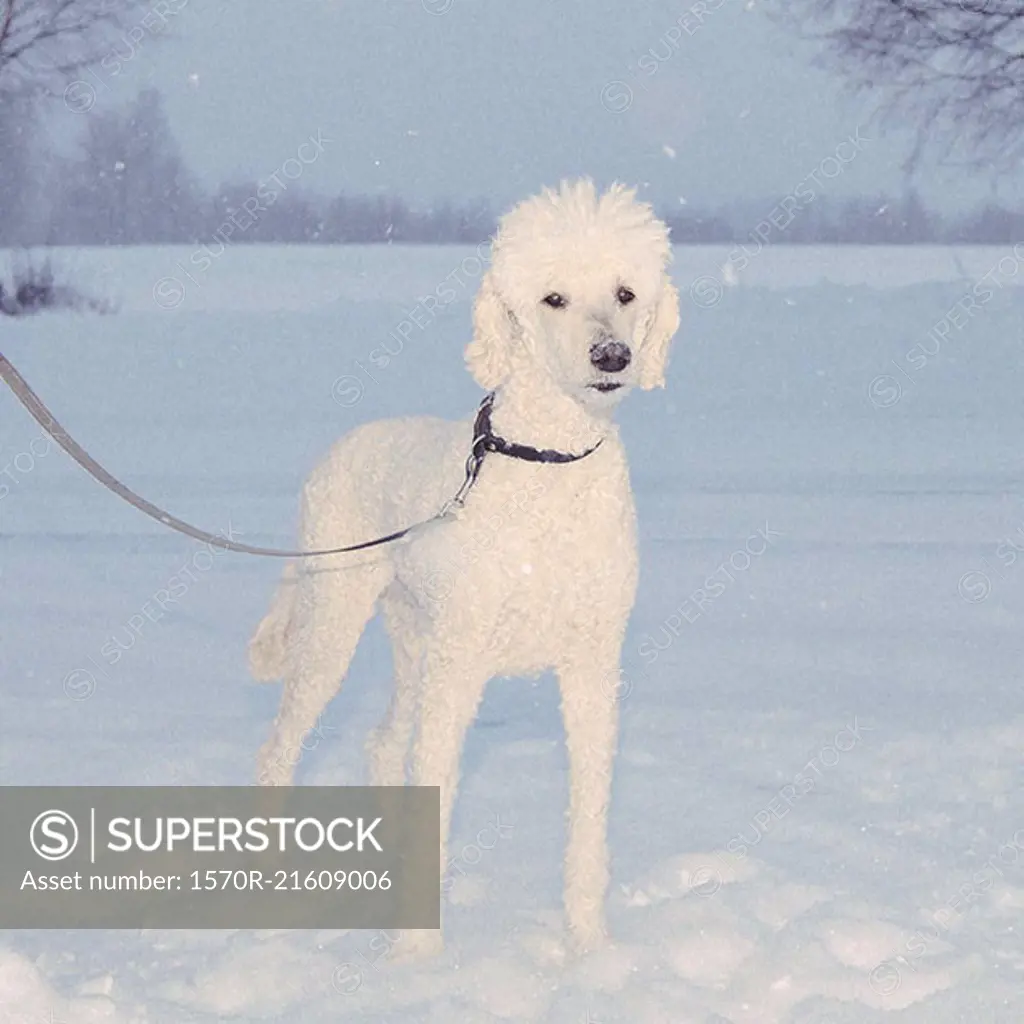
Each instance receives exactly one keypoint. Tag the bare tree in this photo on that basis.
(954, 67)
(129, 186)
(43, 43)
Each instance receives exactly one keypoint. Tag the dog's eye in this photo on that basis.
(625, 296)
(555, 301)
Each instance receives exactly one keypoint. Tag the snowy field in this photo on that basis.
(818, 813)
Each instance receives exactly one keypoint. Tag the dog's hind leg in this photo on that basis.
(331, 609)
(268, 649)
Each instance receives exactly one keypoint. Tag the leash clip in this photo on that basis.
(473, 463)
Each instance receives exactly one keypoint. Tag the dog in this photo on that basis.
(535, 568)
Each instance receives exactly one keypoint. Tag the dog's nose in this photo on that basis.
(610, 356)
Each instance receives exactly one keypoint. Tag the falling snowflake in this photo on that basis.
(669, 152)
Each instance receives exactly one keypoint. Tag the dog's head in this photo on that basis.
(578, 289)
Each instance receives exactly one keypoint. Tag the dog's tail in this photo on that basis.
(268, 648)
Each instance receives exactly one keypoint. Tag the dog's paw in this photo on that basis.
(589, 939)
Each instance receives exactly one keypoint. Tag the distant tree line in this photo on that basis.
(127, 184)
(860, 220)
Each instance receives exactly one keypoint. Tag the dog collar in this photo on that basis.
(491, 442)
(485, 440)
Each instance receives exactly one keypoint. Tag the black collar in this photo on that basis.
(488, 441)
(485, 440)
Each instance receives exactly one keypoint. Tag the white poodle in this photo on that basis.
(537, 568)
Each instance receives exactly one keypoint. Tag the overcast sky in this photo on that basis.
(493, 98)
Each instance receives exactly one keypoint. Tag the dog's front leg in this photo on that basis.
(449, 698)
(590, 713)
(388, 745)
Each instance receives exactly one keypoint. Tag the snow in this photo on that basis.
(818, 811)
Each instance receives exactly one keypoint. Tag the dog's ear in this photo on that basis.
(487, 355)
(659, 327)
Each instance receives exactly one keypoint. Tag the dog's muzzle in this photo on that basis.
(609, 357)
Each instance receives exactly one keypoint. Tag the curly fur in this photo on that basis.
(537, 572)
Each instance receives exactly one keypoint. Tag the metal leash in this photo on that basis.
(42, 415)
